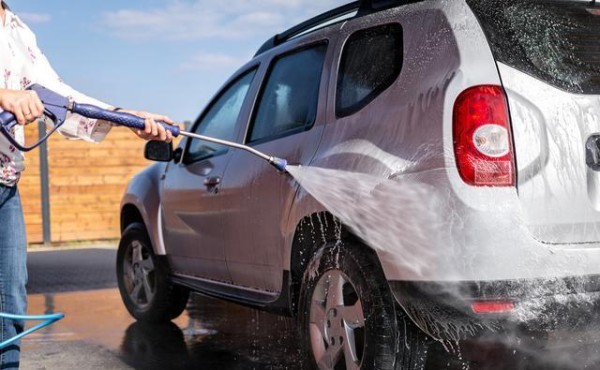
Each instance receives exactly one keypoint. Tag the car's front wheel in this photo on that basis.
(143, 278)
(348, 316)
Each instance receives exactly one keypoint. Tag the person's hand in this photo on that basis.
(24, 104)
(152, 130)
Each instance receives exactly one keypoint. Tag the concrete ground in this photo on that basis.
(98, 333)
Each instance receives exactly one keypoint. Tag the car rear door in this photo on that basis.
(191, 197)
(287, 122)
(548, 55)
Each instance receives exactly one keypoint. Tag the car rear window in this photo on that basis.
(289, 99)
(371, 62)
(556, 41)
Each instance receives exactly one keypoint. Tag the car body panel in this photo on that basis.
(192, 228)
(558, 191)
(142, 192)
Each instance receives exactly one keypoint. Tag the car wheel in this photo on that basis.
(348, 317)
(143, 278)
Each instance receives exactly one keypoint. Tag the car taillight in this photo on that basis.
(482, 137)
(492, 306)
(594, 11)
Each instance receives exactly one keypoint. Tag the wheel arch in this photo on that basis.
(311, 234)
(141, 203)
(130, 214)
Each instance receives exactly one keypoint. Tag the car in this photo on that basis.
(443, 182)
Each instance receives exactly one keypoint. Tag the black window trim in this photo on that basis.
(357, 107)
(189, 159)
(263, 86)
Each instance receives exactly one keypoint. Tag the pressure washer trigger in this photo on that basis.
(56, 106)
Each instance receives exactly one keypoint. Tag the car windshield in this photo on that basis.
(556, 41)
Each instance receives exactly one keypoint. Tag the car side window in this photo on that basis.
(288, 101)
(220, 119)
(371, 61)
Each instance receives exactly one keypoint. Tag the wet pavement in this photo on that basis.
(210, 334)
(98, 333)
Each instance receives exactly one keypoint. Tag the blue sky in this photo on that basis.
(164, 56)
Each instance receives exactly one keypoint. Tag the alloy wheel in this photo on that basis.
(139, 274)
(337, 323)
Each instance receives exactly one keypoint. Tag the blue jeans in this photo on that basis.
(13, 272)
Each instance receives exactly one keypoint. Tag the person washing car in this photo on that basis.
(22, 64)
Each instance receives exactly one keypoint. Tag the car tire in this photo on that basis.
(144, 281)
(342, 286)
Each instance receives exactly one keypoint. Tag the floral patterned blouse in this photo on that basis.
(22, 64)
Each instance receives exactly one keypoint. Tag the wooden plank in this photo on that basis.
(111, 208)
(132, 161)
(92, 171)
(94, 153)
(91, 180)
(83, 217)
(79, 222)
(85, 198)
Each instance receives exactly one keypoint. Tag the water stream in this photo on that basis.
(395, 217)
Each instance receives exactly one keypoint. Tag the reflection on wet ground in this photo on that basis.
(235, 338)
(210, 334)
(213, 334)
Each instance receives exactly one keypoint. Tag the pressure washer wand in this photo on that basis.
(130, 120)
(56, 107)
(278, 163)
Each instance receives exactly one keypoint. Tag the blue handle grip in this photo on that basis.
(120, 118)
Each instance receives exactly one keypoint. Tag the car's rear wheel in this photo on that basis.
(143, 278)
(348, 317)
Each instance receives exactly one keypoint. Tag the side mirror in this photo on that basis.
(177, 154)
(158, 151)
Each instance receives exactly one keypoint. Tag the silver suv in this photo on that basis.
(448, 187)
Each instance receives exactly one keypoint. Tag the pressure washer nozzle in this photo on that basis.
(278, 163)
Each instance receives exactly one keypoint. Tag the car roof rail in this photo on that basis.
(361, 7)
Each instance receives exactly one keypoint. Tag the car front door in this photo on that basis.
(287, 122)
(191, 200)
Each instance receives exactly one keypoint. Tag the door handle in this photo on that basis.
(212, 181)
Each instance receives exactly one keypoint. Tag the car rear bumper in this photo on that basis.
(454, 311)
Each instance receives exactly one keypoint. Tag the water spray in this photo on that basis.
(56, 108)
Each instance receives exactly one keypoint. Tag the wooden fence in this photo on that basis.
(86, 182)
